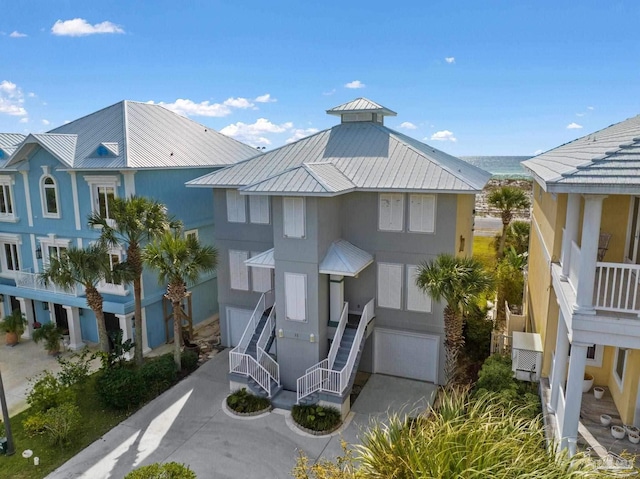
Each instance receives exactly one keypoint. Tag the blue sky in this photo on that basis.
(468, 77)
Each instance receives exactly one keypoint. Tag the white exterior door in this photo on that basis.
(405, 354)
(237, 320)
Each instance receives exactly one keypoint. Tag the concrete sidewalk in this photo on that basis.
(188, 424)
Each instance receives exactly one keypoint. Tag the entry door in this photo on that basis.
(632, 254)
(61, 317)
(112, 324)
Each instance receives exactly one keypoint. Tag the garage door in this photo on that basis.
(237, 320)
(408, 355)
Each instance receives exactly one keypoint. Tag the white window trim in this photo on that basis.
(95, 181)
(51, 240)
(232, 278)
(597, 360)
(620, 380)
(411, 283)
(111, 288)
(193, 232)
(12, 239)
(254, 208)
(289, 200)
(237, 214)
(43, 197)
(9, 181)
(389, 227)
(378, 285)
(287, 292)
(412, 228)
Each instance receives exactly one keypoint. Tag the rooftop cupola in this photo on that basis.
(361, 109)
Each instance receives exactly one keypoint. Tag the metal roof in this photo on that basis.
(10, 139)
(344, 259)
(138, 135)
(605, 161)
(361, 105)
(367, 155)
(262, 260)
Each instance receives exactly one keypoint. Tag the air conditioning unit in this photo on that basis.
(526, 356)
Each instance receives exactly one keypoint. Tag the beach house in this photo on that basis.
(319, 243)
(51, 182)
(584, 266)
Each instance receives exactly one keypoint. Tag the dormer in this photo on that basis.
(362, 110)
(106, 150)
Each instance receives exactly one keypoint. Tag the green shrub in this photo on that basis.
(34, 425)
(158, 374)
(170, 470)
(75, 369)
(48, 392)
(120, 388)
(316, 418)
(189, 360)
(477, 333)
(58, 423)
(496, 375)
(245, 402)
(115, 358)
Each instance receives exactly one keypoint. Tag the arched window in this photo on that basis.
(50, 208)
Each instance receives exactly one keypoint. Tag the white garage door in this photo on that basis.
(408, 355)
(237, 320)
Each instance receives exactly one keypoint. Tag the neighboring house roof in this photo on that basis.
(262, 260)
(344, 259)
(136, 135)
(360, 155)
(361, 105)
(10, 139)
(607, 161)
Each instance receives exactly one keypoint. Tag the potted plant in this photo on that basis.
(587, 382)
(51, 334)
(13, 325)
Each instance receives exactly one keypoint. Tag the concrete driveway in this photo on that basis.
(188, 424)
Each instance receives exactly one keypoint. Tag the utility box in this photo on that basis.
(3, 445)
(526, 356)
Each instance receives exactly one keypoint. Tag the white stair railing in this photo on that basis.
(245, 365)
(265, 302)
(268, 329)
(337, 337)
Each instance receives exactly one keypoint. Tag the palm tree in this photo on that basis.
(88, 267)
(459, 281)
(507, 199)
(178, 261)
(131, 222)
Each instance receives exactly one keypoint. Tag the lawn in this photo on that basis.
(97, 420)
(484, 251)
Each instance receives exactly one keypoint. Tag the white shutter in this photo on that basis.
(296, 296)
(422, 210)
(238, 271)
(391, 216)
(235, 207)
(261, 277)
(417, 300)
(259, 209)
(293, 217)
(389, 285)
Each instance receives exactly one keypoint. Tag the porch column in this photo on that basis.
(75, 333)
(124, 322)
(569, 426)
(26, 308)
(560, 362)
(571, 223)
(336, 297)
(588, 253)
(145, 340)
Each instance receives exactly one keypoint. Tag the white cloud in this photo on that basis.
(79, 27)
(24, 119)
(590, 108)
(355, 84)
(67, 121)
(266, 98)
(573, 126)
(450, 59)
(31, 94)
(444, 135)
(11, 99)
(538, 152)
(254, 133)
(205, 108)
(407, 125)
(329, 93)
(17, 34)
(299, 133)
(580, 114)
(46, 122)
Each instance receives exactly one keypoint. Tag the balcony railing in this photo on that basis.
(26, 279)
(616, 287)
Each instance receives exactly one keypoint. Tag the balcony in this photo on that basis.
(26, 279)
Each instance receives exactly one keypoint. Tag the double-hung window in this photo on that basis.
(294, 222)
(9, 254)
(113, 286)
(620, 365)
(103, 191)
(6, 198)
(49, 195)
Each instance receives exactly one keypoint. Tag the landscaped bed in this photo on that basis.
(243, 403)
(315, 419)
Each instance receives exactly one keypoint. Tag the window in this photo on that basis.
(236, 209)
(422, 210)
(390, 285)
(52, 247)
(191, 234)
(417, 300)
(296, 296)
(6, 199)
(113, 287)
(293, 217)
(391, 214)
(238, 271)
(103, 191)
(261, 277)
(259, 209)
(49, 195)
(619, 365)
(594, 355)
(9, 254)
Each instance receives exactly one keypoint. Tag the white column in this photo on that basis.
(560, 362)
(124, 322)
(75, 333)
(336, 297)
(571, 223)
(145, 340)
(26, 308)
(569, 427)
(588, 253)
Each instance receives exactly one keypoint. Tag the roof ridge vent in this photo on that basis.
(361, 109)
